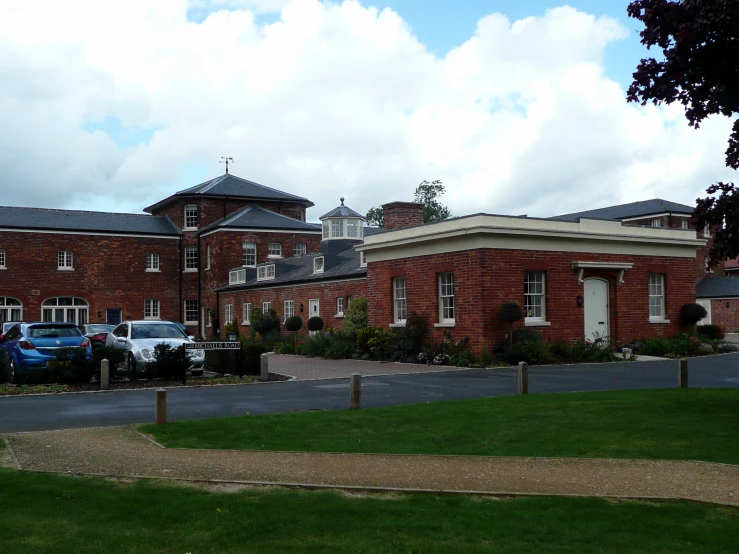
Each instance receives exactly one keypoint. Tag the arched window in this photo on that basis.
(66, 309)
(10, 309)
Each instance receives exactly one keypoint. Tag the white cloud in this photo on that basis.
(331, 100)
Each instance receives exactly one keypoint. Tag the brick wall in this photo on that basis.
(226, 254)
(326, 293)
(402, 214)
(726, 316)
(485, 278)
(109, 272)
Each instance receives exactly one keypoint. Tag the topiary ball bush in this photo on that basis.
(294, 323)
(692, 313)
(510, 312)
(315, 323)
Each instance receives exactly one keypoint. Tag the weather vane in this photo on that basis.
(225, 160)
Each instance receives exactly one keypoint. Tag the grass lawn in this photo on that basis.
(56, 514)
(672, 424)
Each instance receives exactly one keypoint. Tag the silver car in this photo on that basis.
(138, 339)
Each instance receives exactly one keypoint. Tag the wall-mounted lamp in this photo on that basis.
(301, 308)
(100, 314)
(579, 300)
(727, 304)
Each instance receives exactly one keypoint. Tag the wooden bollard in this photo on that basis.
(264, 367)
(682, 374)
(104, 374)
(523, 378)
(160, 406)
(355, 394)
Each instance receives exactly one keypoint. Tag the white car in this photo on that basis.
(138, 339)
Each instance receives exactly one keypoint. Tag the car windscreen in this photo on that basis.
(156, 331)
(100, 328)
(52, 331)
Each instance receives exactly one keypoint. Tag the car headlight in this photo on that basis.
(146, 353)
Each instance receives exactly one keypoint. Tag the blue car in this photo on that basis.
(33, 346)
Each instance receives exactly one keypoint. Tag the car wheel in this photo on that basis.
(132, 365)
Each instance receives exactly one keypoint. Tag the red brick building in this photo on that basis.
(210, 253)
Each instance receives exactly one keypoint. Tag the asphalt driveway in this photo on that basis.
(62, 411)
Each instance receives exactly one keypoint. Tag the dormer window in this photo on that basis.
(342, 223)
(266, 272)
(318, 264)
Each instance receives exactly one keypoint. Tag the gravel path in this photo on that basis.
(122, 451)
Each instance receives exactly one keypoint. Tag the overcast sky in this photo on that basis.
(517, 106)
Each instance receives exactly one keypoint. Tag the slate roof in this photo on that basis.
(228, 185)
(76, 220)
(342, 211)
(625, 211)
(256, 217)
(717, 287)
(343, 265)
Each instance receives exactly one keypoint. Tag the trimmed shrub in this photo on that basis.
(356, 315)
(70, 366)
(509, 313)
(267, 324)
(316, 345)
(315, 323)
(692, 313)
(711, 331)
(169, 362)
(231, 328)
(485, 356)
(116, 358)
(293, 324)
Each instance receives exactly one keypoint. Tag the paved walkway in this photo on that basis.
(306, 369)
(121, 451)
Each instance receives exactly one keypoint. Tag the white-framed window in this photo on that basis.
(318, 264)
(266, 307)
(352, 228)
(289, 309)
(684, 224)
(207, 257)
(340, 306)
(337, 228)
(399, 300)
(535, 296)
(191, 312)
(2, 260)
(246, 308)
(446, 298)
(11, 309)
(249, 254)
(66, 308)
(300, 249)
(656, 223)
(707, 231)
(65, 260)
(191, 216)
(266, 272)
(325, 229)
(152, 262)
(362, 260)
(151, 309)
(229, 313)
(656, 296)
(274, 249)
(191, 258)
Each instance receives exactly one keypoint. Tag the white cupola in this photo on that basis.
(342, 223)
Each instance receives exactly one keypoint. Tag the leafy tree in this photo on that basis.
(375, 217)
(356, 315)
(427, 193)
(699, 40)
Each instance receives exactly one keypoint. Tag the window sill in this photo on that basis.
(191, 323)
(659, 321)
(246, 323)
(274, 257)
(397, 324)
(340, 316)
(446, 324)
(3, 268)
(153, 271)
(537, 324)
(189, 270)
(65, 269)
(189, 228)
(152, 318)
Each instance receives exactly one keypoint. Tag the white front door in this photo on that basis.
(707, 305)
(313, 308)
(596, 309)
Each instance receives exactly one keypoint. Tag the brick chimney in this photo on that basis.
(399, 215)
